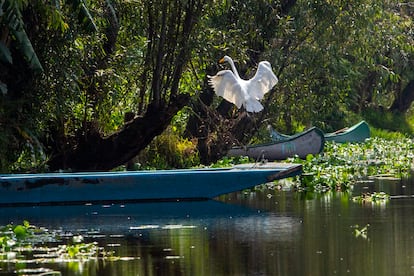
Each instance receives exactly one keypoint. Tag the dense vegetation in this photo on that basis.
(89, 84)
(342, 166)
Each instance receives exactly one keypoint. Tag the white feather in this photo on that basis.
(247, 93)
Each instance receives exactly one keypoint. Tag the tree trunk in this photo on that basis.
(403, 100)
(217, 130)
(98, 153)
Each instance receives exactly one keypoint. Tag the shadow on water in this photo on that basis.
(264, 232)
(122, 218)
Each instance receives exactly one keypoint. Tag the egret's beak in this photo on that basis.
(221, 60)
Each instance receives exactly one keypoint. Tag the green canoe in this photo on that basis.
(354, 134)
(301, 144)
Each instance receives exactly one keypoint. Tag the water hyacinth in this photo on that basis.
(377, 197)
(25, 243)
(341, 165)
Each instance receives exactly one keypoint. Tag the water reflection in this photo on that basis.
(265, 232)
(392, 186)
(123, 218)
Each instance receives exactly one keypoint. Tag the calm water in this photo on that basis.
(260, 233)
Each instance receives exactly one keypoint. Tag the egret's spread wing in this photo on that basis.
(253, 105)
(263, 81)
(226, 85)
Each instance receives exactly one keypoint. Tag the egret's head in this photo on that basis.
(224, 59)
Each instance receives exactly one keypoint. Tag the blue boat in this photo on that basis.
(131, 186)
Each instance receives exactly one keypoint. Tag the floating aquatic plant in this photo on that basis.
(25, 243)
(361, 232)
(376, 197)
(341, 165)
(231, 161)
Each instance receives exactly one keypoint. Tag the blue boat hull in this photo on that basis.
(197, 184)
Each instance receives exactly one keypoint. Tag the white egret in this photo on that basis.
(247, 93)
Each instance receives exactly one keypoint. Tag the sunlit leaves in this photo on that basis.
(56, 19)
(169, 150)
(341, 55)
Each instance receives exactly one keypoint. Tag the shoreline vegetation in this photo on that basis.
(342, 165)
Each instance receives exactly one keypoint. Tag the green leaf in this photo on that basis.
(5, 54)
(27, 50)
(73, 251)
(3, 88)
(14, 21)
(20, 231)
(84, 15)
(87, 19)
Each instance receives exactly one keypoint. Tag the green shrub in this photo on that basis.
(169, 150)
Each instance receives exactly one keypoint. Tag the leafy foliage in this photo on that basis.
(74, 70)
(339, 57)
(12, 19)
(231, 161)
(342, 165)
(167, 151)
(32, 101)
